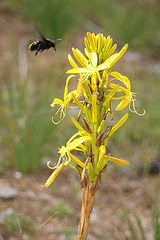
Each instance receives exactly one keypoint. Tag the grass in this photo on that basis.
(61, 210)
(67, 233)
(12, 224)
(54, 18)
(29, 135)
(136, 227)
(59, 19)
(29, 127)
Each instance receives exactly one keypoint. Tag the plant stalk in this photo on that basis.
(88, 198)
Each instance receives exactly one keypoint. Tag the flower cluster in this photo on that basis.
(97, 88)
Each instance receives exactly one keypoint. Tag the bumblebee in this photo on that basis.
(42, 44)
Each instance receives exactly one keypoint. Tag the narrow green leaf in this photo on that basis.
(140, 227)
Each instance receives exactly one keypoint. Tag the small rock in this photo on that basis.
(17, 175)
(30, 194)
(7, 192)
(45, 197)
(8, 211)
(91, 237)
(50, 228)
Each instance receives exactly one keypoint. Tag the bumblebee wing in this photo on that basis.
(39, 34)
(33, 40)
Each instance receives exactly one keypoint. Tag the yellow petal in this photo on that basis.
(123, 103)
(93, 59)
(91, 42)
(80, 57)
(56, 101)
(79, 70)
(53, 176)
(76, 161)
(118, 124)
(117, 160)
(94, 108)
(72, 62)
(66, 86)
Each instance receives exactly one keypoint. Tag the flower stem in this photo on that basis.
(88, 198)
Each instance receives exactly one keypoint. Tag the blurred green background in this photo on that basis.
(29, 84)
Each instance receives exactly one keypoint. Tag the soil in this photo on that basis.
(121, 194)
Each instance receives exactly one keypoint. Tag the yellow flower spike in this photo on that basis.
(94, 108)
(117, 160)
(53, 175)
(93, 96)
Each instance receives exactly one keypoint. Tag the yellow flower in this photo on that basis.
(66, 156)
(63, 104)
(129, 97)
(53, 175)
(90, 66)
(98, 51)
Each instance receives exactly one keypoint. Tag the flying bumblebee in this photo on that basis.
(42, 44)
